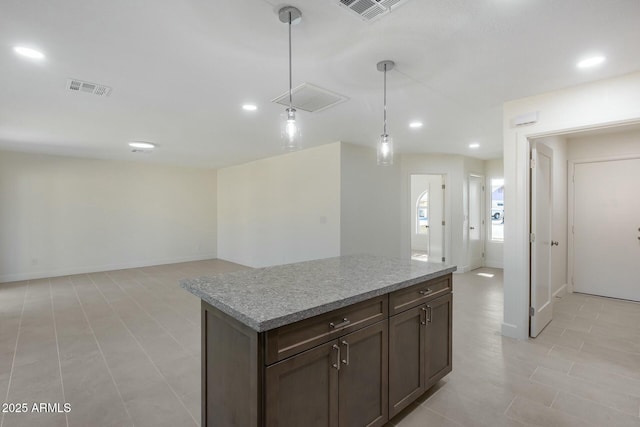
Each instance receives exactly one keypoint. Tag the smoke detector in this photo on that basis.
(370, 10)
(75, 85)
(310, 98)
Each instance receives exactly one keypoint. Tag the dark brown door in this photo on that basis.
(406, 358)
(439, 338)
(363, 377)
(303, 390)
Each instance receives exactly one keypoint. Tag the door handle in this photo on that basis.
(472, 228)
(346, 360)
(424, 310)
(344, 322)
(337, 365)
(429, 319)
(554, 243)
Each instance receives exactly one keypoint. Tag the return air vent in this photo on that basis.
(369, 10)
(76, 85)
(308, 97)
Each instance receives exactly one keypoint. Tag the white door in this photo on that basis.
(476, 202)
(606, 228)
(541, 222)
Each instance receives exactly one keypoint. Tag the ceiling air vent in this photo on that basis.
(76, 85)
(308, 97)
(369, 10)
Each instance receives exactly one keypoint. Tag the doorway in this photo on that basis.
(427, 207)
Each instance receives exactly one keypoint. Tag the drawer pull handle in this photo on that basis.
(425, 291)
(342, 324)
(337, 365)
(346, 360)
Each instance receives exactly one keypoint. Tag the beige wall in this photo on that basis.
(281, 209)
(370, 204)
(63, 215)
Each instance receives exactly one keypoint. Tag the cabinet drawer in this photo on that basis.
(305, 334)
(412, 296)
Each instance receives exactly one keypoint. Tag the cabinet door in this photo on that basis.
(364, 377)
(406, 358)
(303, 390)
(439, 338)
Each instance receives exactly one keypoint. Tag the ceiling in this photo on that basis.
(181, 70)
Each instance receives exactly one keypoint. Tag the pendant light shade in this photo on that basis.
(385, 150)
(385, 144)
(290, 128)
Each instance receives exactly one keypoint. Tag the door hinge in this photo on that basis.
(442, 259)
(443, 186)
(532, 163)
(483, 188)
(482, 254)
(532, 311)
(532, 237)
(573, 231)
(443, 223)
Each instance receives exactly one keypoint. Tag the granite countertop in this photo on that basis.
(266, 298)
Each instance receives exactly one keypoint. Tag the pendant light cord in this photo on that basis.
(384, 130)
(290, 96)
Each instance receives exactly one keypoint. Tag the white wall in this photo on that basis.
(559, 212)
(616, 143)
(370, 204)
(493, 249)
(604, 103)
(282, 209)
(63, 215)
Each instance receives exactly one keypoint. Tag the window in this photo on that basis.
(497, 209)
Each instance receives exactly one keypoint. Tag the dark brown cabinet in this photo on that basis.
(363, 377)
(303, 390)
(420, 350)
(406, 358)
(341, 383)
(439, 338)
(355, 366)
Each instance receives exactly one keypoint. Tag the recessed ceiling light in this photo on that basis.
(415, 125)
(249, 107)
(138, 144)
(28, 52)
(591, 62)
(474, 145)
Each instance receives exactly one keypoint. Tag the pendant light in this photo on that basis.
(290, 130)
(385, 144)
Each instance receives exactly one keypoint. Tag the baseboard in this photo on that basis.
(560, 292)
(493, 263)
(98, 268)
(511, 331)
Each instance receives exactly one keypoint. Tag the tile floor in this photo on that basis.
(123, 348)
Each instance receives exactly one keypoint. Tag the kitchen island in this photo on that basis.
(345, 341)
